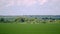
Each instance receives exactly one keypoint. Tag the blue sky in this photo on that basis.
(29, 7)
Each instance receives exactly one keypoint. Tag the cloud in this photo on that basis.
(21, 2)
(55, 0)
(30, 2)
(42, 2)
(10, 3)
(16, 6)
(26, 2)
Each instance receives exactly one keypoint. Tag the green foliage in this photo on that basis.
(44, 22)
(29, 20)
(2, 19)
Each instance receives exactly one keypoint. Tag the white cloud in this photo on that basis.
(42, 2)
(30, 2)
(8, 3)
(55, 0)
(22, 2)
(26, 2)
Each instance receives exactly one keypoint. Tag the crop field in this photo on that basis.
(8, 28)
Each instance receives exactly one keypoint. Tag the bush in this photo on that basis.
(44, 22)
(2, 20)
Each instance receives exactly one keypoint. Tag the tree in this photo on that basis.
(44, 21)
(22, 20)
(2, 19)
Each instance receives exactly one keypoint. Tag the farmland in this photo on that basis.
(29, 28)
(29, 24)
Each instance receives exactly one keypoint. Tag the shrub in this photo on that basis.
(2, 20)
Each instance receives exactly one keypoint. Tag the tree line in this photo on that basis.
(27, 20)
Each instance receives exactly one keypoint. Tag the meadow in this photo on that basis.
(7, 28)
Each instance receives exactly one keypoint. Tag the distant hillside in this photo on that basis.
(33, 16)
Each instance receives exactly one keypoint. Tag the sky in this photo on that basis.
(29, 7)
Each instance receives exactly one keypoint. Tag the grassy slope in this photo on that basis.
(29, 28)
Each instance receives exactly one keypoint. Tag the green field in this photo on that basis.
(6, 28)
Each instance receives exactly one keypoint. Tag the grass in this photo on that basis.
(29, 28)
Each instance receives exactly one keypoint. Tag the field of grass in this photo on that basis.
(6, 28)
